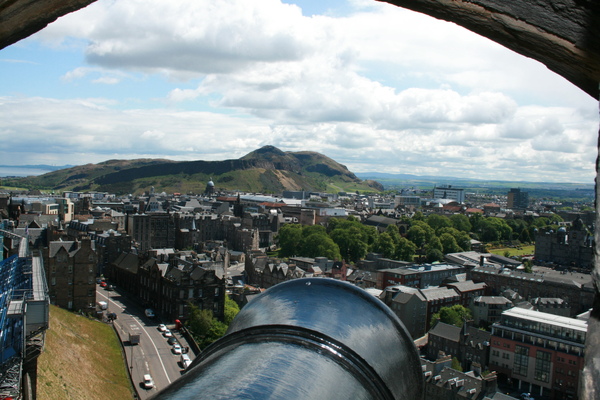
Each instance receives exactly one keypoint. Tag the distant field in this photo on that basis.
(82, 360)
(523, 250)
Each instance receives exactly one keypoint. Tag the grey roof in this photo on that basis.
(492, 299)
(467, 286)
(128, 262)
(437, 293)
(446, 331)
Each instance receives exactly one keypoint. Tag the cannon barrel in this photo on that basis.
(310, 338)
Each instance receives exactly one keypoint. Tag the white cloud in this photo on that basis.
(380, 88)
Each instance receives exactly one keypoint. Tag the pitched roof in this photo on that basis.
(446, 331)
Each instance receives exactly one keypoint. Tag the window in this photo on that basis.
(542, 366)
(521, 360)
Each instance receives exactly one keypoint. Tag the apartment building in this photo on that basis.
(540, 353)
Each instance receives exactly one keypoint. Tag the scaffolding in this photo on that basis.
(24, 310)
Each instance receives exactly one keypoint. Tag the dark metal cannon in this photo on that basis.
(307, 339)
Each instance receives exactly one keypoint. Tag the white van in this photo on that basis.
(103, 305)
(185, 361)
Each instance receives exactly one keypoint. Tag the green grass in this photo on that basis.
(520, 251)
(82, 359)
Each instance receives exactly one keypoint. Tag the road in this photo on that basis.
(153, 355)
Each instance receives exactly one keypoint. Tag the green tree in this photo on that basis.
(494, 229)
(231, 310)
(555, 219)
(418, 216)
(455, 315)
(528, 264)
(203, 326)
(433, 255)
(308, 230)
(456, 364)
(461, 222)
(320, 245)
(463, 240)
(417, 235)
(405, 250)
(289, 239)
(449, 244)
(435, 243)
(199, 321)
(437, 222)
(475, 219)
(525, 237)
(385, 245)
(351, 245)
(394, 233)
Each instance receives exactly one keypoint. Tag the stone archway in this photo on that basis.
(562, 34)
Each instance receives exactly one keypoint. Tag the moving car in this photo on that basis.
(148, 382)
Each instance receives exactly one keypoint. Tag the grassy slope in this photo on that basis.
(82, 360)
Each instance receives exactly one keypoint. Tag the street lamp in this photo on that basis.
(131, 360)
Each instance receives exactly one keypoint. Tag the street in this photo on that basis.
(153, 355)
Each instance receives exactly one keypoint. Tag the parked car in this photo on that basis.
(148, 382)
(103, 284)
(172, 340)
(167, 334)
(162, 327)
(177, 348)
(149, 313)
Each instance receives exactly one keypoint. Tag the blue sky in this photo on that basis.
(373, 86)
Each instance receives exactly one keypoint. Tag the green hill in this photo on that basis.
(82, 359)
(266, 170)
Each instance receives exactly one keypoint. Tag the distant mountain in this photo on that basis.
(398, 179)
(266, 170)
(566, 191)
(38, 166)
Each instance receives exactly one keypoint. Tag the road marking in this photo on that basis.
(136, 319)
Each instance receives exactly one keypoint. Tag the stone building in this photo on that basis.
(570, 248)
(71, 274)
(578, 293)
(445, 383)
(468, 344)
(151, 231)
(170, 284)
(415, 307)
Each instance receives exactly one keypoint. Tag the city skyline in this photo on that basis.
(374, 87)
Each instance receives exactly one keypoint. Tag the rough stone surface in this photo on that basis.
(562, 34)
(22, 18)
